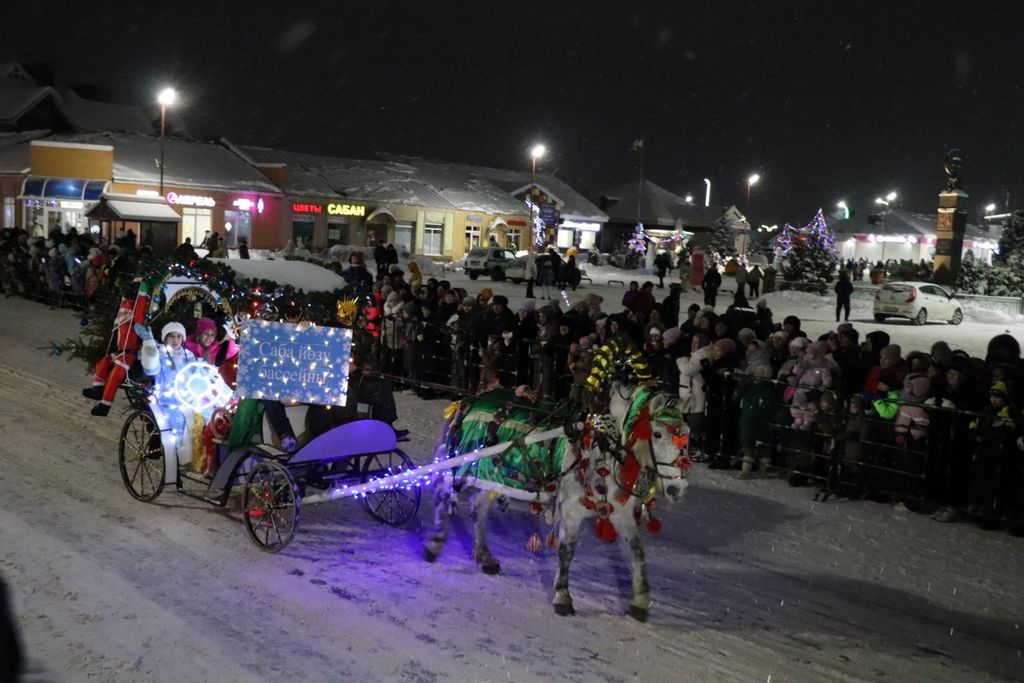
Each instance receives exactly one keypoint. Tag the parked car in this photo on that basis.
(918, 301)
(516, 271)
(488, 261)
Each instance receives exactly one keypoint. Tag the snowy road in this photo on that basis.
(751, 581)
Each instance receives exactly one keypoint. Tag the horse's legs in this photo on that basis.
(480, 505)
(641, 600)
(442, 496)
(572, 514)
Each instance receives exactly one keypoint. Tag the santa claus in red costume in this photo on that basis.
(124, 343)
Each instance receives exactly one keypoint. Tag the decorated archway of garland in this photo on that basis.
(187, 290)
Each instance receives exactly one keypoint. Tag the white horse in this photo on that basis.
(613, 470)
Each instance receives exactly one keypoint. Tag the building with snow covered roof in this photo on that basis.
(904, 235)
(663, 214)
(573, 220)
(50, 182)
(432, 209)
(25, 105)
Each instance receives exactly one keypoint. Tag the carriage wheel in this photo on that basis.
(140, 456)
(393, 506)
(270, 506)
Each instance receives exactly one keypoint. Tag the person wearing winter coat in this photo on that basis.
(777, 346)
(662, 263)
(222, 354)
(844, 290)
(415, 276)
(740, 313)
(380, 257)
(670, 306)
(356, 275)
(691, 390)
(392, 334)
(720, 412)
(996, 457)
(712, 281)
(950, 442)
(754, 277)
(912, 420)
(163, 361)
(530, 274)
(810, 376)
(630, 296)
(756, 397)
(765, 322)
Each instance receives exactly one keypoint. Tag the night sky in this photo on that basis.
(825, 101)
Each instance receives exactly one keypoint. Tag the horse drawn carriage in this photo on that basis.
(184, 441)
(609, 455)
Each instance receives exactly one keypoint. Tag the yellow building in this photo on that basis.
(435, 210)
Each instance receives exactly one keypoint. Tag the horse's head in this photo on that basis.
(670, 447)
(643, 416)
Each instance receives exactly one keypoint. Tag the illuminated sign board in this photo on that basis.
(190, 199)
(346, 209)
(245, 204)
(582, 225)
(516, 222)
(288, 362)
(306, 208)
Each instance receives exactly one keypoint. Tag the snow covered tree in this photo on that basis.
(1005, 277)
(1012, 240)
(809, 253)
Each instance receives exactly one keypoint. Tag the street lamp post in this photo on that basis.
(537, 152)
(707, 192)
(165, 98)
(751, 181)
(846, 209)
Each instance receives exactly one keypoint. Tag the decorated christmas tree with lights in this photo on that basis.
(809, 253)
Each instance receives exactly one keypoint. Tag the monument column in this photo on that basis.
(951, 224)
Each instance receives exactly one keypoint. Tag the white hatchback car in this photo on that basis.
(918, 301)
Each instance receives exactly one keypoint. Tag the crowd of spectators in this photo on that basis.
(933, 430)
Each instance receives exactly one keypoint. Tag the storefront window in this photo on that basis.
(302, 230)
(8, 212)
(514, 238)
(237, 227)
(587, 239)
(41, 217)
(472, 237)
(196, 223)
(433, 234)
(403, 237)
(565, 237)
(337, 231)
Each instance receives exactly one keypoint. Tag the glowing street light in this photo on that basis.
(707, 193)
(846, 209)
(990, 208)
(689, 199)
(889, 198)
(536, 153)
(166, 99)
(751, 181)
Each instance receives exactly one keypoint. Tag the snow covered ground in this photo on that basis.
(751, 581)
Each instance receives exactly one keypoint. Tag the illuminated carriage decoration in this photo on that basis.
(280, 361)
